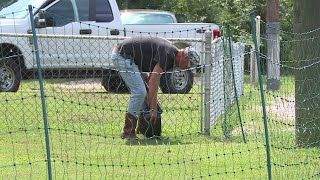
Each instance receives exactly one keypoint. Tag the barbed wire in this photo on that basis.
(292, 33)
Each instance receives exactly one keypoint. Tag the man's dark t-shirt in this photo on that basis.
(147, 51)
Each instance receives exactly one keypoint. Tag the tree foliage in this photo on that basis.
(233, 12)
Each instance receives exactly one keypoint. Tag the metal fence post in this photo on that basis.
(207, 71)
(43, 102)
(234, 81)
(265, 120)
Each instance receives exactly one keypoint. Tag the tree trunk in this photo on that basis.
(307, 80)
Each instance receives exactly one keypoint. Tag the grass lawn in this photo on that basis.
(85, 124)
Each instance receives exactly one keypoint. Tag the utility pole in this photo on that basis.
(273, 45)
(307, 81)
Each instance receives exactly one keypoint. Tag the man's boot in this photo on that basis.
(129, 130)
(141, 129)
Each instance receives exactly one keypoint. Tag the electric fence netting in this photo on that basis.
(66, 109)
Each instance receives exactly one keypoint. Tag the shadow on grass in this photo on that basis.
(191, 139)
(155, 141)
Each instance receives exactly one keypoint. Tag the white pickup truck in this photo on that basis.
(77, 36)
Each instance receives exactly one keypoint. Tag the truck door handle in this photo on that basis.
(30, 39)
(85, 31)
(201, 31)
(114, 32)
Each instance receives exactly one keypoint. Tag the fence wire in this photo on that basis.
(86, 102)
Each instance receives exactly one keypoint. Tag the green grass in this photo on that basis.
(84, 138)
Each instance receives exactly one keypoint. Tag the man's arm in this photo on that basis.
(153, 83)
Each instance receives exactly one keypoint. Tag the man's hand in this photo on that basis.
(147, 77)
(154, 117)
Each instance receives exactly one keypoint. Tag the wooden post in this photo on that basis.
(273, 45)
(253, 60)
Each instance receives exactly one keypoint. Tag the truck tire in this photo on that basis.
(176, 82)
(170, 83)
(114, 84)
(10, 75)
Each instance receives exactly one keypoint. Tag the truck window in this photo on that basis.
(103, 11)
(60, 14)
(146, 18)
(83, 10)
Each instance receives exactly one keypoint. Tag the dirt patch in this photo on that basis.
(285, 109)
(87, 84)
(281, 110)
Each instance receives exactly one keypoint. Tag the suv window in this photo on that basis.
(60, 14)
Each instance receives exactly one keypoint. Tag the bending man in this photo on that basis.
(147, 54)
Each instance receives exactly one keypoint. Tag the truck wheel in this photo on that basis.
(114, 84)
(10, 76)
(176, 82)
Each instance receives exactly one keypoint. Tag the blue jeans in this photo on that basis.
(131, 75)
